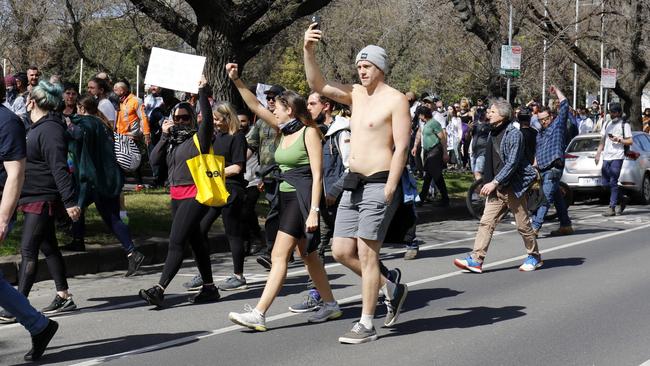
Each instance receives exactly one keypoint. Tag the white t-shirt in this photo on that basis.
(614, 150)
(106, 107)
(585, 126)
(441, 118)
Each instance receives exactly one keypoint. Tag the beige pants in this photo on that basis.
(496, 206)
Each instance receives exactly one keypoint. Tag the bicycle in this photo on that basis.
(476, 203)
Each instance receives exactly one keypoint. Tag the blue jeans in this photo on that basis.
(550, 189)
(611, 171)
(109, 210)
(18, 305)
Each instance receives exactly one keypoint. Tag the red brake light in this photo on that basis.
(570, 156)
(632, 155)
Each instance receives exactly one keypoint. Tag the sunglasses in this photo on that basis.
(181, 117)
(269, 97)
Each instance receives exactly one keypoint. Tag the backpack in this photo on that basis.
(333, 167)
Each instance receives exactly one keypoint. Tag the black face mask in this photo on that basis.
(291, 127)
(179, 133)
(320, 119)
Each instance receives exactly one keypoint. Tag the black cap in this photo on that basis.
(615, 107)
(275, 90)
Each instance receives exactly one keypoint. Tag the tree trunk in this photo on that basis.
(632, 107)
(218, 48)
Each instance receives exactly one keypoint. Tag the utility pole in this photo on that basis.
(575, 64)
(509, 44)
(602, 45)
(544, 61)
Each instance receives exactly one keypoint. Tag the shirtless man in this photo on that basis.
(380, 127)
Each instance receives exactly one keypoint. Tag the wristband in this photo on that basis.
(316, 209)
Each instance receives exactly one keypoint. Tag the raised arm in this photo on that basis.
(206, 128)
(338, 92)
(249, 98)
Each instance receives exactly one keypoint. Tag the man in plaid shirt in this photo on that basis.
(549, 160)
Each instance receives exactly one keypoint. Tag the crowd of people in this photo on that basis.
(329, 176)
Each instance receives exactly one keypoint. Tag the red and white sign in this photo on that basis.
(608, 78)
(511, 57)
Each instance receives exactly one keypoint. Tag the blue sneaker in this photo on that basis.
(312, 302)
(469, 264)
(531, 263)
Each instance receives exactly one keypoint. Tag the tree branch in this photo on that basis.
(169, 19)
(76, 30)
(280, 15)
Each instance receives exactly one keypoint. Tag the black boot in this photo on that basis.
(153, 296)
(135, 261)
(208, 293)
(41, 340)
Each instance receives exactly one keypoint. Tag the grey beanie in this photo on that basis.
(374, 54)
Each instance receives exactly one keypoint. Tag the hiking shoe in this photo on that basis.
(563, 230)
(6, 317)
(250, 318)
(153, 296)
(359, 334)
(312, 302)
(60, 305)
(76, 245)
(411, 252)
(325, 313)
(469, 264)
(233, 283)
(135, 261)
(265, 261)
(208, 293)
(194, 284)
(394, 306)
(531, 263)
(41, 340)
(610, 212)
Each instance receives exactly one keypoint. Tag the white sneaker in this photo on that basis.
(326, 312)
(250, 318)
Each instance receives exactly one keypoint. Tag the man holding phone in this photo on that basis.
(616, 135)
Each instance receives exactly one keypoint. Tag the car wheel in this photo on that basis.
(644, 196)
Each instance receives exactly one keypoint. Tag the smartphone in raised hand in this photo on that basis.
(316, 19)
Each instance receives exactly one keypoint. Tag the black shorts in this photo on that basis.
(291, 221)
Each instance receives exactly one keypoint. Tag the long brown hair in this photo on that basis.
(298, 105)
(90, 104)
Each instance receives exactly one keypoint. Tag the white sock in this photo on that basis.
(366, 321)
(332, 304)
(257, 312)
(239, 277)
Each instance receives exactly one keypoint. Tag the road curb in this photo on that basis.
(105, 258)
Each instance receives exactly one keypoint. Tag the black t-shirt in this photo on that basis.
(530, 143)
(12, 141)
(480, 132)
(233, 149)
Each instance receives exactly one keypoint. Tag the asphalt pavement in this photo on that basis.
(587, 305)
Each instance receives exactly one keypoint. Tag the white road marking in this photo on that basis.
(99, 360)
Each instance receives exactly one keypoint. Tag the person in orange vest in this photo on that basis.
(132, 122)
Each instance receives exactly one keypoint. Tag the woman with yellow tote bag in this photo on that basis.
(176, 147)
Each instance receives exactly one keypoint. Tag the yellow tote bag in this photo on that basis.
(209, 177)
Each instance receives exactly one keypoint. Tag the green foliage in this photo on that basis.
(290, 72)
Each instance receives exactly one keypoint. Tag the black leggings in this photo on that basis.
(186, 216)
(433, 165)
(232, 224)
(39, 233)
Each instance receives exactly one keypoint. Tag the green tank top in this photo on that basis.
(292, 157)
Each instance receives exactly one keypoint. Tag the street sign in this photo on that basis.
(511, 57)
(510, 73)
(608, 78)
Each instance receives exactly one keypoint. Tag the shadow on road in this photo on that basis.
(111, 346)
(470, 318)
(548, 264)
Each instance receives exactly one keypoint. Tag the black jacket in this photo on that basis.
(176, 158)
(47, 177)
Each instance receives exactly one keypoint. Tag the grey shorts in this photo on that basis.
(364, 213)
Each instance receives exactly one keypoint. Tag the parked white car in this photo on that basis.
(582, 174)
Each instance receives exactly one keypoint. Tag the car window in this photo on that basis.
(584, 145)
(644, 141)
